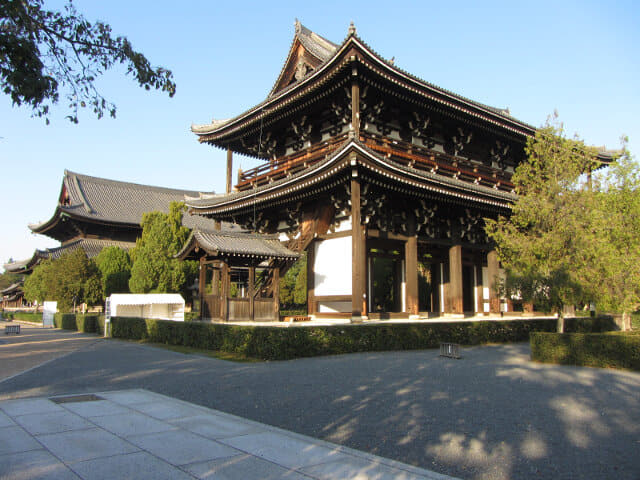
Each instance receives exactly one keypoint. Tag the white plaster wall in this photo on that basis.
(332, 267)
(334, 307)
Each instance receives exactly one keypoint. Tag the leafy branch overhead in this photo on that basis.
(45, 54)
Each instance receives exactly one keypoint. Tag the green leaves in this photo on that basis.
(45, 53)
(571, 240)
(155, 270)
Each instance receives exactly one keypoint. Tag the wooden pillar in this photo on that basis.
(312, 308)
(229, 168)
(358, 253)
(355, 103)
(224, 294)
(411, 271)
(202, 279)
(493, 268)
(251, 293)
(479, 288)
(276, 292)
(455, 279)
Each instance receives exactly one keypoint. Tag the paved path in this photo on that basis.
(36, 345)
(143, 435)
(493, 414)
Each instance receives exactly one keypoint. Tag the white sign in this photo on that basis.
(49, 309)
(107, 317)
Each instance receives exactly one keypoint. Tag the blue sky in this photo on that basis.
(580, 58)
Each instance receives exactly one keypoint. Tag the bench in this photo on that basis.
(451, 350)
(12, 329)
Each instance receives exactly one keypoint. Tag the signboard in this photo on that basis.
(48, 311)
(107, 317)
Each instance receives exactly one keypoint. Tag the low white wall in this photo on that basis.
(332, 267)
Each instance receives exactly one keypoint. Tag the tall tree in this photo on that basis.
(543, 242)
(71, 279)
(115, 266)
(154, 269)
(44, 52)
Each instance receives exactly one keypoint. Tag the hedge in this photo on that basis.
(24, 316)
(608, 350)
(86, 323)
(277, 343)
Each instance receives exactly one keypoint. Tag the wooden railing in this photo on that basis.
(398, 151)
(287, 165)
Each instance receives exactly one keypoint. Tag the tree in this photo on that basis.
(43, 52)
(615, 219)
(154, 267)
(7, 279)
(293, 284)
(547, 239)
(70, 280)
(115, 266)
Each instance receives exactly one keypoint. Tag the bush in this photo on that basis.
(277, 343)
(87, 323)
(67, 321)
(608, 350)
(24, 316)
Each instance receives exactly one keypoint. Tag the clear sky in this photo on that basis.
(581, 58)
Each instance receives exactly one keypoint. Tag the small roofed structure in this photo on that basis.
(239, 274)
(162, 306)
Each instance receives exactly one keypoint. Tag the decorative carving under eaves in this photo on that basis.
(341, 199)
(302, 132)
(419, 127)
(499, 154)
(342, 111)
(472, 228)
(425, 221)
(257, 222)
(265, 147)
(461, 140)
(293, 216)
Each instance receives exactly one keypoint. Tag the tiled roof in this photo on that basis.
(435, 179)
(92, 247)
(103, 200)
(325, 50)
(237, 244)
(11, 289)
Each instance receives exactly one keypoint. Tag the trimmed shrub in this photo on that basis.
(87, 323)
(67, 321)
(601, 323)
(608, 350)
(277, 343)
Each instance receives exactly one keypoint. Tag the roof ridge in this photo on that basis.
(108, 181)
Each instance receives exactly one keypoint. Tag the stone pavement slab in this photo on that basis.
(148, 435)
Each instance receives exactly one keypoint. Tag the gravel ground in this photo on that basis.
(492, 414)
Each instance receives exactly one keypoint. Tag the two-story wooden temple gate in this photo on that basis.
(384, 179)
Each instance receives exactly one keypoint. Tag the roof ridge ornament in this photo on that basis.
(352, 29)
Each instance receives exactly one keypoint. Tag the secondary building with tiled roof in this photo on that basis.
(93, 213)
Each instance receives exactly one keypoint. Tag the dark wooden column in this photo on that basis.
(455, 279)
(411, 270)
(251, 292)
(224, 294)
(229, 169)
(276, 292)
(355, 103)
(358, 254)
(311, 297)
(479, 289)
(493, 268)
(202, 278)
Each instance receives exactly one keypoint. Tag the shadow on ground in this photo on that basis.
(492, 414)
